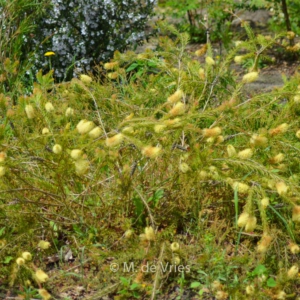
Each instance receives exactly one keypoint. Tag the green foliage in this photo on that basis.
(159, 148)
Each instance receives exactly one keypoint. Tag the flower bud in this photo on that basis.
(41, 276)
(114, 140)
(27, 255)
(110, 65)
(294, 248)
(151, 152)
(49, 107)
(69, 112)
(298, 134)
(240, 187)
(20, 261)
(81, 166)
(95, 133)
(76, 154)
(44, 245)
(245, 154)
(282, 188)
(175, 97)
(85, 78)
(2, 171)
(239, 59)
(265, 202)
(159, 128)
(250, 77)
(279, 129)
(128, 233)
(175, 247)
(29, 111)
(85, 126)
(277, 158)
(243, 219)
(250, 289)
(281, 295)
(211, 132)
(296, 214)
(57, 149)
(149, 233)
(231, 151)
(264, 244)
(45, 130)
(44, 294)
(292, 272)
(209, 61)
(258, 141)
(184, 167)
(251, 224)
(178, 109)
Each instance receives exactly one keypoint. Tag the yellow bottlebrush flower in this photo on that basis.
(258, 141)
(203, 174)
(85, 126)
(221, 295)
(294, 248)
(298, 134)
(149, 233)
(240, 187)
(201, 51)
(251, 224)
(20, 261)
(44, 294)
(293, 272)
(201, 73)
(159, 128)
(95, 133)
(183, 167)
(114, 140)
(281, 295)
(44, 245)
(49, 53)
(57, 149)
(296, 214)
(85, 78)
(250, 289)
(282, 188)
(243, 219)
(2, 156)
(2, 171)
(175, 97)
(175, 247)
(69, 112)
(209, 61)
(29, 111)
(265, 202)
(245, 154)
(111, 65)
(216, 285)
(239, 59)
(45, 130)
(49, 107)
(129, 117)
(277, 158)
(128, 130)
(128, 233)
(211, 132)
(296, 99)
(151, 152)
(279, 129)
(81, 166)
(290, 35)
(250, 77)
(174, 122)
(41, 276)
(264, 244)
(220, 139)
(27, 255)
(231, 151)
(176, 260)
(112, 75)
(178, 109)
(76, 154)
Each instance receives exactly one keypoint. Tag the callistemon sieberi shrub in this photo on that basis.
(156, 141)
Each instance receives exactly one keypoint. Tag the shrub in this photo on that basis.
(83, 33)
